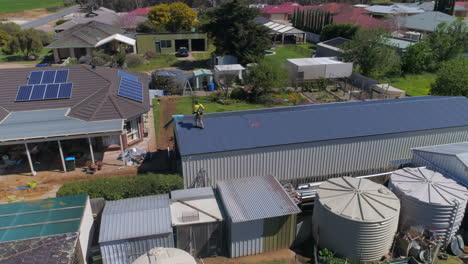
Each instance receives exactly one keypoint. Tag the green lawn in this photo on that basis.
(184, 105)
(170, 60)
(9, 6)
(414, 85)
(21, 58)
(290, 52)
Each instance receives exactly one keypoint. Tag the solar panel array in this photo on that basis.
(130, 87)
(45, 85)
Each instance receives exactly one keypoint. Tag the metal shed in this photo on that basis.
(261, 217)
(314, 68)
(131, 227)
(317, 142)
(197, 222)
(450, 159)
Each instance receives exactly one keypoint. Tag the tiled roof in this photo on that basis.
(285, 8)
(140, 11)
(343, 13)
(426, 21)
(95, 94)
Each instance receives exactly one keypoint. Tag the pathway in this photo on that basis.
(44, 20)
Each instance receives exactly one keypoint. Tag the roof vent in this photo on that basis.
(189, 216)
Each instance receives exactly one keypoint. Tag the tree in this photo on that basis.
(312, 20)
(448, 40)
(29, 41)
(148, 27)
(371, 55)
(452, 78)
(418, 58)
(235, 33)
(174, 17)
(265, 77)
(4, 38)
(445, 6)
(338, 30)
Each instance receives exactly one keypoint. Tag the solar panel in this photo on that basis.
(24, 92)
(35, 77)
(128, 76)
(38, 92)
(131, 89)
(52, 91)
(65, 91)
(61, 76)
(48, 77)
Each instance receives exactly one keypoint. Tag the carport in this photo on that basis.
(53, 125)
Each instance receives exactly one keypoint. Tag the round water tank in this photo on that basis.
(429, 200)
(165, 256)
(355, 218)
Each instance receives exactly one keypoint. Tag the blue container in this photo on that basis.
(70, 163)
(211, 86)
(69, 158)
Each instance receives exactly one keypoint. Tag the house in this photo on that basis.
(424, 23)
(132, 227)
(281, 13)
(103, 15)
(48, 114)
(261, 217)
(394, 10)
(313, 143)
(449, 159)
(55, 230)
(169, 43)
(306, 69)
(330, 48)
(82, 39)
(282, 33)
(429, 6)
(198, 222)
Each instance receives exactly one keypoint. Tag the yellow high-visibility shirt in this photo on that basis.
(198, 109)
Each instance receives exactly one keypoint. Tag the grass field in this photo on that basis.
(414, 85)
(290, 52)
(22, 58)
(10, 6)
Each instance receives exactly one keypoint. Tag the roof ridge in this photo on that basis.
(116, 105)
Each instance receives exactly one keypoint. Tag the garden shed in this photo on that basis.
(261, 217)
(202, 78)
(131, 227)
(197, 222)
(315, 68)
(310, 143)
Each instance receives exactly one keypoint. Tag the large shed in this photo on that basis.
(317, 142)
(131, 227)
(261, 217)
(305, 69)
(197, 222)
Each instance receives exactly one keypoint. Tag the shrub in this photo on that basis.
(167, 84)
(118, 60)
(61, 21)
(216, 96)
(338, 30)
(98, 61)
(46, 38)
(134, 60)
(124, 187)
(150, 54)
(266, 99)
(239, 94)
(85, 60)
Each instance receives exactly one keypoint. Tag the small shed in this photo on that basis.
(131, 227)
(385, 91)
(224, 75)
(331, 47)
(260, 215)
(315, 68)
(202, 78)
(197, 222)
(62, 223)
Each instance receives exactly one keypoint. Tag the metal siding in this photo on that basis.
(201, 240)
(126, 251)
(318, 161)
(279, 232)
(443, 163)
(246, 238)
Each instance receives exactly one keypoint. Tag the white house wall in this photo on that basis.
(339, 70)
(86, 228)
(318, 161)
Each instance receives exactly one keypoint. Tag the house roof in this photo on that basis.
(135, 217)
(41, 218)
(394, 9)
(254, 198)
(459, 150)
(56, 249)
(312, 123)
(400, 42)
(277, 28)
(426, 21)
(141, 11)
(429, 6)
(314, 61)
(84, 35)
(94, 95)
(335, 42)
(195, 202)
(285, 8)
(51, 123)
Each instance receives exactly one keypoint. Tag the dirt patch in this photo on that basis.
(283, 255)
(13, 65)
(165, 136)
(321, 97)
(27, 14)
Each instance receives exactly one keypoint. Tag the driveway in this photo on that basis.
(44, 20)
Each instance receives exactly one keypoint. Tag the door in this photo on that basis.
(158, 46)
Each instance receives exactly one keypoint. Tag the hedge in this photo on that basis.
(124, 187)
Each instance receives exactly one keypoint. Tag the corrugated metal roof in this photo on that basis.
(192, 193)
(51, 123)
(459, 150)
(426, 21)
(41, 218)
(428, 186)
(358, 199)
(254, 198)
(292, 125)
(135, 217)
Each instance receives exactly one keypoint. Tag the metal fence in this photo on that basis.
(361, 81)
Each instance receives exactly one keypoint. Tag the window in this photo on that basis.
(132, 130)
(166, 43)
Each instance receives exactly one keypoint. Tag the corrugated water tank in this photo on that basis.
(429, 200)
(355, 218)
